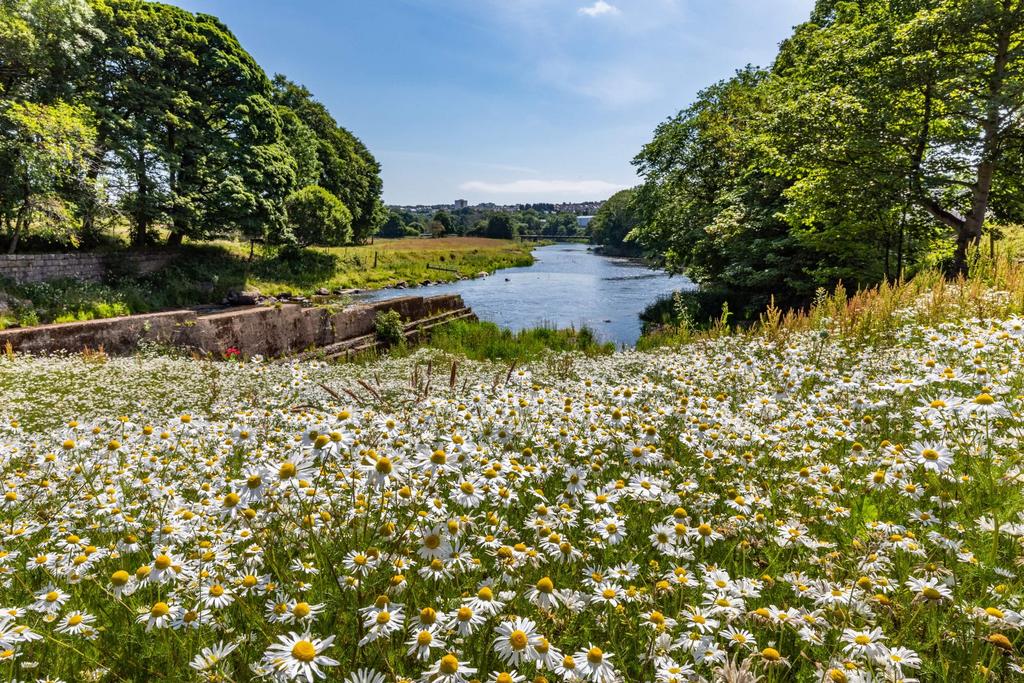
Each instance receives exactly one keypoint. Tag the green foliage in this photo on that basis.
(44, 151)
(188, 118)
(501, 226)
(185, 132)
(563, 224)
(708, 207)
(390, 328)
(614, 220)
(487, 341)
(400, 224)
(315, 216)
(70, 300)
(445, 220)
(347, 169)
(879, 128)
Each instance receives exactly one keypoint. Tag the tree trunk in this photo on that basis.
(969, 228)
(19, 226)
(175, 239)
(141, 228)
(899, 245)
(90, 203)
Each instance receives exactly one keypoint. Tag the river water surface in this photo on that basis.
(567, 286)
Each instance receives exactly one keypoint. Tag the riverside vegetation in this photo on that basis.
(832, 495)
(207, 273)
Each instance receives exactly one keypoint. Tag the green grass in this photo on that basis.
(487, 341)
(384, 264)
(205, 273)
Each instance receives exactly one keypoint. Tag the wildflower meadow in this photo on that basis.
(793, 504)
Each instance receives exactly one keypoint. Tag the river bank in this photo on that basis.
(568, 286)
(209, 273)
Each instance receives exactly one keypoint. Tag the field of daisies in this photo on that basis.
(789, 505)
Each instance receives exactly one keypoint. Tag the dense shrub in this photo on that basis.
(315, 216)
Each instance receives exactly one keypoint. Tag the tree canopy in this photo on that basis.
(614, 221)
(186, 133)
(886, 135)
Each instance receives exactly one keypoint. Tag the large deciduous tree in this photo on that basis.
(890, 110)
(708, 207)
(347, 169)
(44, 154)
(187, 120)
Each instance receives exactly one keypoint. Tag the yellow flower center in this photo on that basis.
(448, 665)
(518, 640)
(304, 651)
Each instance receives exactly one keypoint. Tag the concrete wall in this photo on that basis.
(85, 267)
(265, 330)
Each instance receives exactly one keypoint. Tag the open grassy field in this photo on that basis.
(383, 264)
(206, 272)
(830, 496)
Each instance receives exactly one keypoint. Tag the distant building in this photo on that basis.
(583, 221)
(461, 204)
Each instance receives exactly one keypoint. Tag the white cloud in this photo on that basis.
(599, 8)
(564, 187)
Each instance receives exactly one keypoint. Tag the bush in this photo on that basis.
(390, 328)
(315, 216)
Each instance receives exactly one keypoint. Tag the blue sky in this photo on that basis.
(506, 100)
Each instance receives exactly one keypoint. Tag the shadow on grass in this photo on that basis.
(206, 273)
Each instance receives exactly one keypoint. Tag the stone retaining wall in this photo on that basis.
(270, 331)
(85, 267)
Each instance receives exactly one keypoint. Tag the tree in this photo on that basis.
(562, 224)
(445, 220)
(302, 145)
(185, 115)
(348, 170)
(44, 150)
(315, 216)
(41, 44)
(500, 226)
(708, 207)
(907, 108)
(614, 220)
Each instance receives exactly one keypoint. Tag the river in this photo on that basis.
(567, 286)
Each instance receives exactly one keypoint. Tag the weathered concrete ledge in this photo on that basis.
(264, 330)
